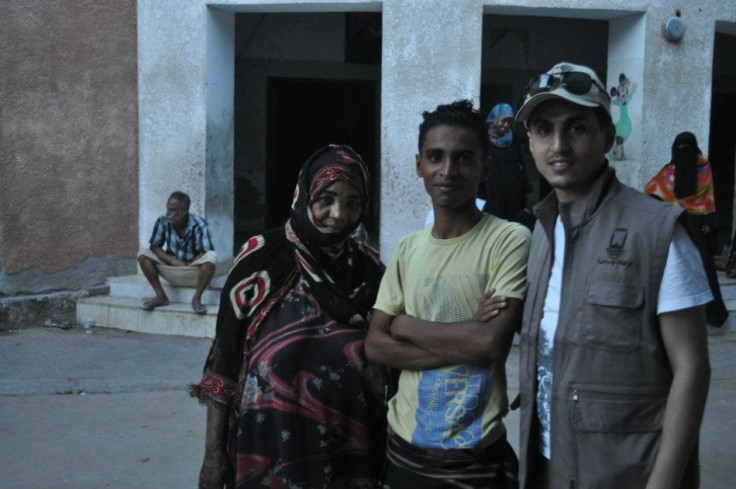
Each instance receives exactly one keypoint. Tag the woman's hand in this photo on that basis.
(490, 306)
(217, 471)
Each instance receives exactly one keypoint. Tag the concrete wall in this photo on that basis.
(186, 128)
(185, 53)
(676, 89)
(68, 143)
(432, 53)
(78, 126)
(219, 187)
(69, 113)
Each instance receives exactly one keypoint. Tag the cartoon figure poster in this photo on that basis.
(620, 97)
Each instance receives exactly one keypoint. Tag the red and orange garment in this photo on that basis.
(701, 202)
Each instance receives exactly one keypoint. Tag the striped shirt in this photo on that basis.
(196, 239)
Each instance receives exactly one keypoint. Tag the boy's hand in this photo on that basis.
(490, 306)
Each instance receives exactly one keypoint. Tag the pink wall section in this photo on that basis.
(68, 133)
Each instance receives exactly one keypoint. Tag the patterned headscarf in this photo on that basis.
(333, 163)
(500, 112)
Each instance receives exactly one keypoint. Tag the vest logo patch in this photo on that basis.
(616, 245)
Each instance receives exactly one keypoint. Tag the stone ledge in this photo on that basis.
(137, 287)
(20, 311)
(124, 313)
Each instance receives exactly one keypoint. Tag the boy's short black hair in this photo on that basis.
(459, 113)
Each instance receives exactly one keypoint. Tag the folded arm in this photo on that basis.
(382, 347)
(471, 341)
(409, 343)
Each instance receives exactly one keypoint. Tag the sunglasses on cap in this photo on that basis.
(575, 82)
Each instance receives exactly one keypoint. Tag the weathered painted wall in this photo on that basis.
(68, 143)
(676, 89)
(182, 140)
(76, 103)
(431, 55)
(172, 95)
(219, 187)
(625, 76)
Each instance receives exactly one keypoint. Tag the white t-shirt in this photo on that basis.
(429, 220)
(684, 285)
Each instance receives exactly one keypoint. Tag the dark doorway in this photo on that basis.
(304, 115)
(722, 144)
(515, 48)
(722, 155)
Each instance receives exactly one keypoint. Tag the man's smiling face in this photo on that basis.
(569, 146)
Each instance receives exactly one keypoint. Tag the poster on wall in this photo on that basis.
(625, 110)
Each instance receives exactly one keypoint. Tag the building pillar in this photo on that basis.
(185, 84)
(431, 56)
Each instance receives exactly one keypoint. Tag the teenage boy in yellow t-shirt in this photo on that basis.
(446, 417)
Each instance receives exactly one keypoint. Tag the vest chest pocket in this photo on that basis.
(612, 316)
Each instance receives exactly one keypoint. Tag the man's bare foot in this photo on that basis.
(151, 304)
(199, 308)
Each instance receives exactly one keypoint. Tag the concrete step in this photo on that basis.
(137, 287)
(121, 309)
(124, 313)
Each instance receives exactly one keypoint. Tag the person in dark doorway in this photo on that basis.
(291, 401)
(687, 181)
(614, 359)
(430, 320)
(180, 251)
(506, 189)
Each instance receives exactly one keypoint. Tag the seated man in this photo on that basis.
(180, 251)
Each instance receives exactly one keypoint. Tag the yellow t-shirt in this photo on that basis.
(456, 406)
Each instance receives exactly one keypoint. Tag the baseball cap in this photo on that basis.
(575, 83)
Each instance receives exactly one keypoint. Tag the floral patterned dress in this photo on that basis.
(308, 419)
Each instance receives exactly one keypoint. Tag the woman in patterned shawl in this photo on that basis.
(291, 401)
(687, 181)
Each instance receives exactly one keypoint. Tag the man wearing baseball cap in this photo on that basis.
(614, 360)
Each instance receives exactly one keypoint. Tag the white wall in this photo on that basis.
(185, 80)
(431, 54)
(219, 185)
(172, 106)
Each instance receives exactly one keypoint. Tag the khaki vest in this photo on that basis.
(610, 372)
